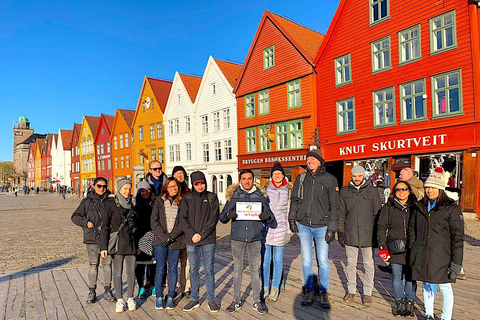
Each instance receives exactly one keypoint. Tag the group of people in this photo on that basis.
(421, 238)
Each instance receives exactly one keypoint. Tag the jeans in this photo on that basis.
(117, 274)
(352, 258)
(399, 290)
(93, 252)
(306, 235)
(254, 258)
(447, 293)
(162, 255)
(277, 265)
(207, 252)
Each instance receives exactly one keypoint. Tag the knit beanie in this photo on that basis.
(436, 179)
(143, 185)
(358, 169)
(316, 154)
(277, 167)
(123, 182)
(179, 168)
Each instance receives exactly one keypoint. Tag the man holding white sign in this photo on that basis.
(248, 208)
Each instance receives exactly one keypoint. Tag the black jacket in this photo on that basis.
(393, 225)
(159, 227)
(435, 240)
(246, 230)
(149, 179)
(319, 205)
(91, 209)
(358, 209)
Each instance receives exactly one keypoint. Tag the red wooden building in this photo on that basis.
(31, 164)
(103, 152)
(399, 86)
(276, 97)
(75, 170)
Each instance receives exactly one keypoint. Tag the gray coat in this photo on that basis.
(279, 204)
(356, 216)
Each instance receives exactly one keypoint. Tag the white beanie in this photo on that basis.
(436, 179)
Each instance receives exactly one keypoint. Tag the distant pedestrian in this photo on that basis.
(15, 190)
(64, 191)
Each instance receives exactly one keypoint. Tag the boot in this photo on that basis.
(400, 307)
(92, 296)
(266, 292)
(274, 294)
(108, 294)
(408, 312)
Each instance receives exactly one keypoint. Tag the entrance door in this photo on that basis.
(214, 184)
(469, 181)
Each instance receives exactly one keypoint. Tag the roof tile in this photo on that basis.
(66, 138)
(128, 115)
(230, 70)
(192, 84)
(161, 90)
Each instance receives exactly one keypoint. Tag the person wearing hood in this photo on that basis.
(359, 204)
(435, 238)
(155, 177)
(198, 219)
(120, 216)
(246, 234)
(314, 215)
(145, 268)
(89, 215)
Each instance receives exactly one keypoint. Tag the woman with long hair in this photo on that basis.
(168, 239)
(392, 228)
(435, 236)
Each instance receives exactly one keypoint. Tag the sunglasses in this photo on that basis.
(103, 186)
(401, 189)
(156, 169)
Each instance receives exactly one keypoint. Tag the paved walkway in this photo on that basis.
(43, 273)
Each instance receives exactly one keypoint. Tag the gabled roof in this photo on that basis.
(93, 123)
(128, 116)
(33, 138)
(109, 121)
(66, 138)
(52, 137)
(192, 84)
(230, 70)
(161, 90)
(33, 147)
(330, 30)
(41, 143)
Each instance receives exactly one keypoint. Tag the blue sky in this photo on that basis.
(60, 60)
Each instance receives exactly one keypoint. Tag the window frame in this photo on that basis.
(413, 95)
(204, 124)
(294, 90)
(247, 104)
(447, 88)
(288, 134)
(376, 103)
(206, 152)
(216, 121)
(381, 51)
(251, 148)
(227, 144)
(152, 131)
(226, 118)
(266, 57)
(339, 132)
(401, 59)
(264, 138)
(263, 100)
(343, 67)
(188, 148)
(217, 147)
(159, 129)
(140, 133)
(372, 4)
(454, 32)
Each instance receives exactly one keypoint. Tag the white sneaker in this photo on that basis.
(120, 307)
(132, 305)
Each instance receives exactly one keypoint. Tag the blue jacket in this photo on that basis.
(246, 230)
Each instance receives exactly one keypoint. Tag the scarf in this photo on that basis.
(124, 202)
(284, 182)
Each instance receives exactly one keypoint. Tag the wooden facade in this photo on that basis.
(411, 81)
(88, 167)
(121, 142)
(75, 163)
(103, 150)
(31, 164)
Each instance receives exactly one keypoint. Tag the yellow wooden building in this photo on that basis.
(38, 161)
(86, 148)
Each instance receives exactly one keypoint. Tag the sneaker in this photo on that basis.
(191, 305)
(120, 307)
(324, 302)
(159, 303)
(142, 294)
(234, 306)
(108, 295)
(92, 297)
(170, 304)
(266, 293)
(260, 308)
(154, 292)
(274, 294)
(349, 298)
(212, 306)
(367, 300)
(307, 298)
(132, 305)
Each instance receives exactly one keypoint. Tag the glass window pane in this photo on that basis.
(441, 102)
(440, 82)
(453, 79)
(454, 100)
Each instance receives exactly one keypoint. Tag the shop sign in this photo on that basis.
(105, 156)
(281, 159)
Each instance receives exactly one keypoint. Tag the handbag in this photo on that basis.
(396, 246)
(113, 241)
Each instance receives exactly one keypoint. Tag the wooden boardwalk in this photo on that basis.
(60, 293)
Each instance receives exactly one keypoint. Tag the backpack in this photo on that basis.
(300, 185)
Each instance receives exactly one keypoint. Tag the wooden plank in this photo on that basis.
(72, 305)
(4, 286)
(15, 308)
(34, 305)
(51, 299)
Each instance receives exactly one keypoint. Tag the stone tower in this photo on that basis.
(21, 133)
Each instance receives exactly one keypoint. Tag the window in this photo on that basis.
(447, 94)
(443, 34)
(142, 158)
(140, 133)
(381, 54)
(268, 58)
(179, 99)
(115, 142)
(177, 152)
(226, 118)
(171, 152)
(263, 102)
(127, 161)
(251, 140)
(206, 152)
(409, 42)
(98, 149)
(116, 162)
(294, 99)
(153, 154)
(160, 155)
(289, 135)
(205, 124)
(216, 121)
(265, 144)
(379, 10)
(122, 162)
(159, 130)
(102, 149)
(213, 88)
(109, 164)
(188, 148)
(188, 127)
(170, 127)
(384, 107)
(127, 141)
(121, 141)
(250, 106)
(177, 125)
(228, 149)
(343, 71)
(217, 146)
(86, 131)
(152, 132)
(109, 148)
(412, 101)
(346, 116)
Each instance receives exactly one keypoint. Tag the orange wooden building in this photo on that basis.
(276, 97)
(399, 86)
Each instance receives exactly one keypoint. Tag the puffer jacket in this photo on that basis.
(280, 205)
(319, 204)
(358, 209)
(246, 230)
(159, 225)
(91, 209)
(435, 239)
